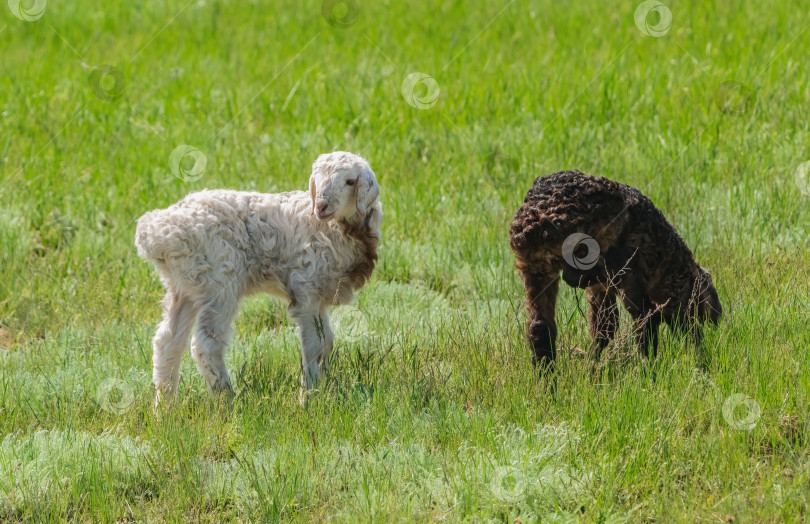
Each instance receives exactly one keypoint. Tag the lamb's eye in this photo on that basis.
(350, 182)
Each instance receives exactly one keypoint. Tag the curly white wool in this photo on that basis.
(214, 247)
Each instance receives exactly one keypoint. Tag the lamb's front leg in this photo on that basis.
(541, 295)
(315, 334)
(328, 338)
(646, 319)
(603, 317)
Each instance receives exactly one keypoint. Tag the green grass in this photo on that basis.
(431, 410)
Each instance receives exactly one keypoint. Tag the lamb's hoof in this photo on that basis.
(224, 395)
(304, 396)
(543, 364)
(163, 400)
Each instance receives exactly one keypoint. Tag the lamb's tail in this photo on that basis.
(157, 238)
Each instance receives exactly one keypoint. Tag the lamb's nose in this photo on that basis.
(322, 207)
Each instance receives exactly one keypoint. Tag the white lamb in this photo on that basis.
(214, 247)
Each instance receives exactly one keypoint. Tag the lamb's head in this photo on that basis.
(342, 187)
(707, 302)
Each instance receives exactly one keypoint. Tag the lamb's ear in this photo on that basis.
(367, 191)
(312, 194)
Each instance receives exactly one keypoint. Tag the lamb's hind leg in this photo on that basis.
(541, 293)
(211, 339)
(603, 317)
(170, 342)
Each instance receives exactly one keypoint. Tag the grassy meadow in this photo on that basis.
(430, 410)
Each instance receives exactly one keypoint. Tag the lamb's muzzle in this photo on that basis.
(314, 249)
(609, 239)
